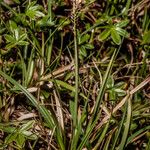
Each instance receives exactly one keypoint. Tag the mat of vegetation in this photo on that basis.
(74, 75)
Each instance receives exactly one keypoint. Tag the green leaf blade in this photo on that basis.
(115, 37)
(104, 35)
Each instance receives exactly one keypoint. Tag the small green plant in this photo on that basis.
(84, 46)
(115, 31)
(115, 90)
(18, 135)
(82, 67)
(16, 36)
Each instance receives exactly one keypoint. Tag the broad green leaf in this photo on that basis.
(115, 36)
(122, 23)
(13, 25)
(16, 34)
(88, 46)
(11, 137)
(120, 84)
(84, 39)
(29, 135)
(20, 140)
(112, 95)
(146, 38)
(7, 129)
(22, 37)
(103, 18)
(120, 92)
(9, 38)
(45, 22)
(22, 43)
(104, 35)
(122, 32)
(110, 82)
(27, 125)
(83, 51)
(34, 10)
(39, 14)
(10, 45)
(133, 126)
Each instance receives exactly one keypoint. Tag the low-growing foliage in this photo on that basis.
(74, 75)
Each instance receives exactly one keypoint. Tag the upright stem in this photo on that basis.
(50, 44)
(50, 9)
(76, 63)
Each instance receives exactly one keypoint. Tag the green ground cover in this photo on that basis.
(74, 75)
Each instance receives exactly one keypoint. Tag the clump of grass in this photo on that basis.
(74, 75)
